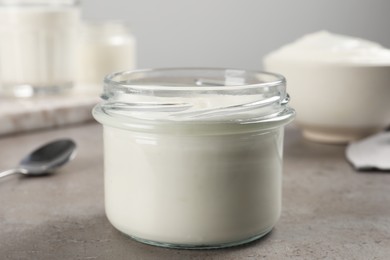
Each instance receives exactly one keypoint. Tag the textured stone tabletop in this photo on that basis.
(26, 114)
(329, 210)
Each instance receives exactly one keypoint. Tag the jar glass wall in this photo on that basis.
(193, 157)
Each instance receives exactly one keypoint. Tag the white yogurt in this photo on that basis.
(208, 178)
(339, 84)
(104, 47)
(37, 47)
(325, 47)
(193, 190)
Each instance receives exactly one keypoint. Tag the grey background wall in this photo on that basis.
(235, 33)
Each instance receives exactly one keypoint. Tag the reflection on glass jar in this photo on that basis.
(37, 46)
(193, 157)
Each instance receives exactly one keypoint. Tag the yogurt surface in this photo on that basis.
(326, 47)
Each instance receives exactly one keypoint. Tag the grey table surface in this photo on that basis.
(329, 211)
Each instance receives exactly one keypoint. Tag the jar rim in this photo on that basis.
(112, 79)
(193, 96)
(105, 26)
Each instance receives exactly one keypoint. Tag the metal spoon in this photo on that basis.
(45, 159)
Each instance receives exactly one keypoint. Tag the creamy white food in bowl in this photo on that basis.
(340, 85)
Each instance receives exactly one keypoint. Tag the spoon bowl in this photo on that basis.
(45, 159)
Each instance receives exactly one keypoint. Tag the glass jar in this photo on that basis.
(105, 47)
(193, 157)
(38, 40)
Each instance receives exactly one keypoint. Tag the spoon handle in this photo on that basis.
(8, 172)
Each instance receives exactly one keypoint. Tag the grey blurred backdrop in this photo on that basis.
(235, 33)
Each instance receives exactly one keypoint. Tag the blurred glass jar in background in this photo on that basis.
(38, 41)
(105, 47)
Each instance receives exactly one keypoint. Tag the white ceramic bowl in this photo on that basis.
(336, 100)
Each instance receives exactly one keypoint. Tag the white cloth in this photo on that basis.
(370, 153)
